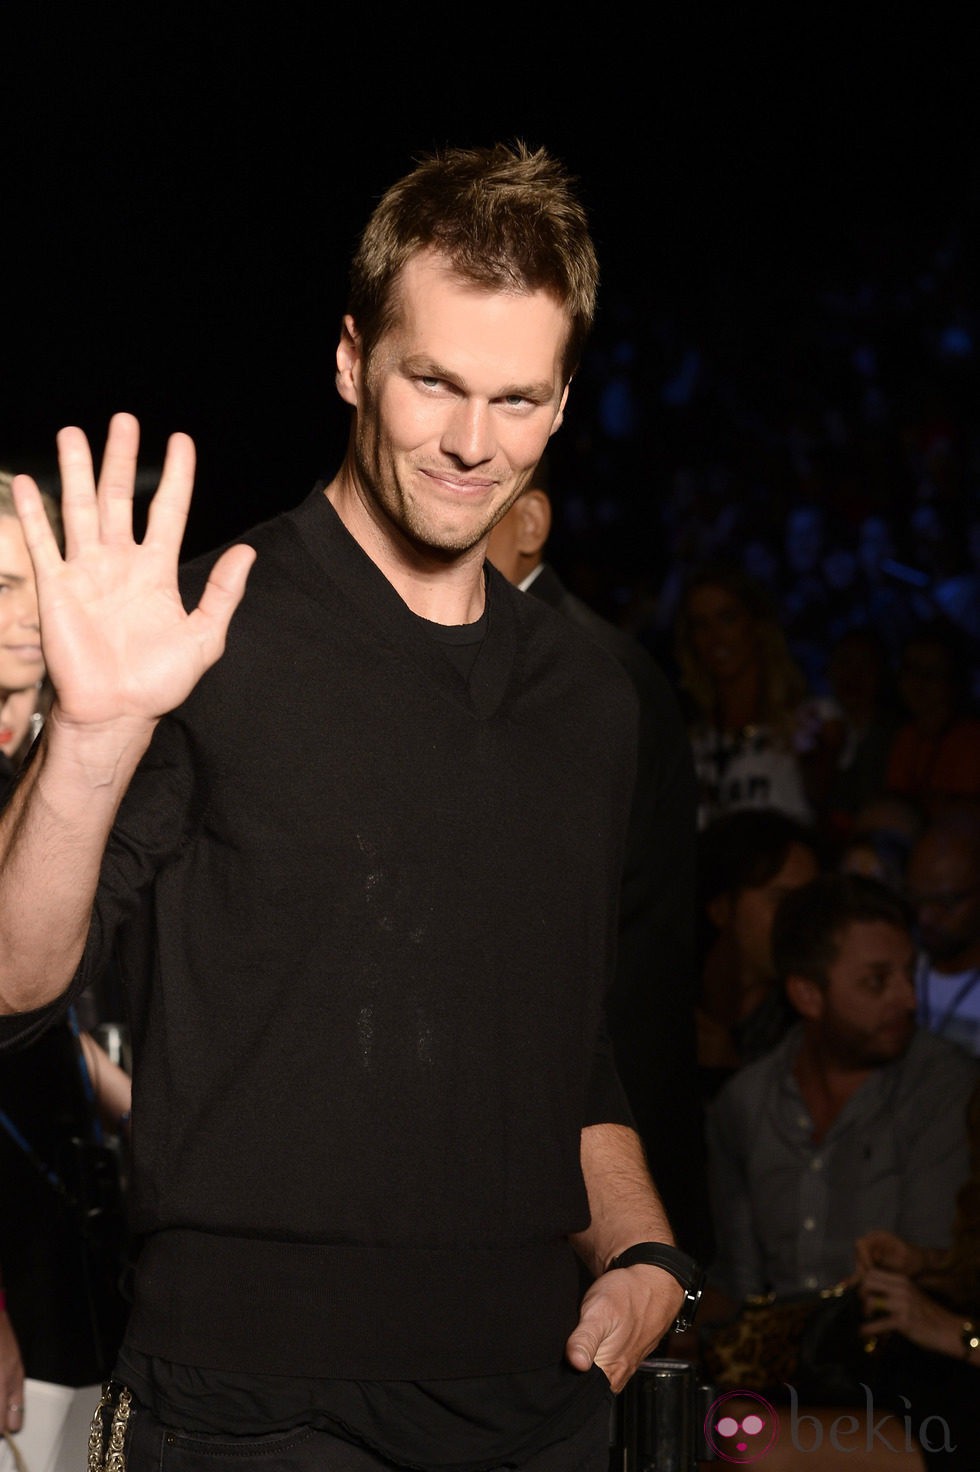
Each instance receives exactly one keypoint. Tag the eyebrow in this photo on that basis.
(422, 367)
(12, 577)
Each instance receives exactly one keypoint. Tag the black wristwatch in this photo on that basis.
(689, 1274)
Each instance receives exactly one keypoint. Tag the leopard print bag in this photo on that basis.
(808, 1341)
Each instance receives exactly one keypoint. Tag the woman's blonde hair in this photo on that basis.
(51, 506)
(782, 684)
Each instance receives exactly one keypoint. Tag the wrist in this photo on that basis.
(95, 758)
(670, 1259)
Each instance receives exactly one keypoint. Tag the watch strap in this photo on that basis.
(688, 1272)
(660, 1255)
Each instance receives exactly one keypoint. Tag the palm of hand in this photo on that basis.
(118, 643)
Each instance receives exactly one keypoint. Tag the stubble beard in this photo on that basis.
(865, 1052)
(411, 521)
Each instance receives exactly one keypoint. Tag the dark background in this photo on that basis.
(180, 195)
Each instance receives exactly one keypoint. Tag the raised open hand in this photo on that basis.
(118, 644)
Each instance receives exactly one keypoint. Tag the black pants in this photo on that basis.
(153, 1447)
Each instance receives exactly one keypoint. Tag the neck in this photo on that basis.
(825, 1082)
(446, 588)
(738, 700)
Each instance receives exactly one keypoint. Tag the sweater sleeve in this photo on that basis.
(606, 1102)
(149, 828)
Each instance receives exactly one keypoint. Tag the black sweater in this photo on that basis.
(366, 920)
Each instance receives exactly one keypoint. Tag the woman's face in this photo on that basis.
(21, 664)
(723, 632)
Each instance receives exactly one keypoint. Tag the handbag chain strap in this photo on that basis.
(111, 1457)
(15, 1451)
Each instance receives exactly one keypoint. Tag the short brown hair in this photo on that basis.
(810, 921)
(505, 218)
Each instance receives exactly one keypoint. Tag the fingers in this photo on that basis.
(222, 594)
(79, 510)
(167, 518)
(886, 1296)
(117, 480)
(15, 1407)
(105, 513)
(33, 518)
(878, 1284)
(880, 1249)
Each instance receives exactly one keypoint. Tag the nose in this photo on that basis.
(468, 435)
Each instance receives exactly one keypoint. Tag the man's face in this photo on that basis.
(455, 405)
(867, 1013)
(944, 887)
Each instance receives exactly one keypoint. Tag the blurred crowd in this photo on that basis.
(831, 451)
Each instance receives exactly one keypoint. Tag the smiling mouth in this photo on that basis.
(461, 484)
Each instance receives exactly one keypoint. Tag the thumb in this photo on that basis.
(581, 1350)
(583, 1342)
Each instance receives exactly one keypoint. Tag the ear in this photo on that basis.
(533, 511)
(808, 998)
(349, 362)
(559, 417)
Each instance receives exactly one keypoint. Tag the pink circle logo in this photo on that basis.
(741, 1427)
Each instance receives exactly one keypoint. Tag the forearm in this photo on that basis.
(623, 1201)
(625, 1312)
(53, 833)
